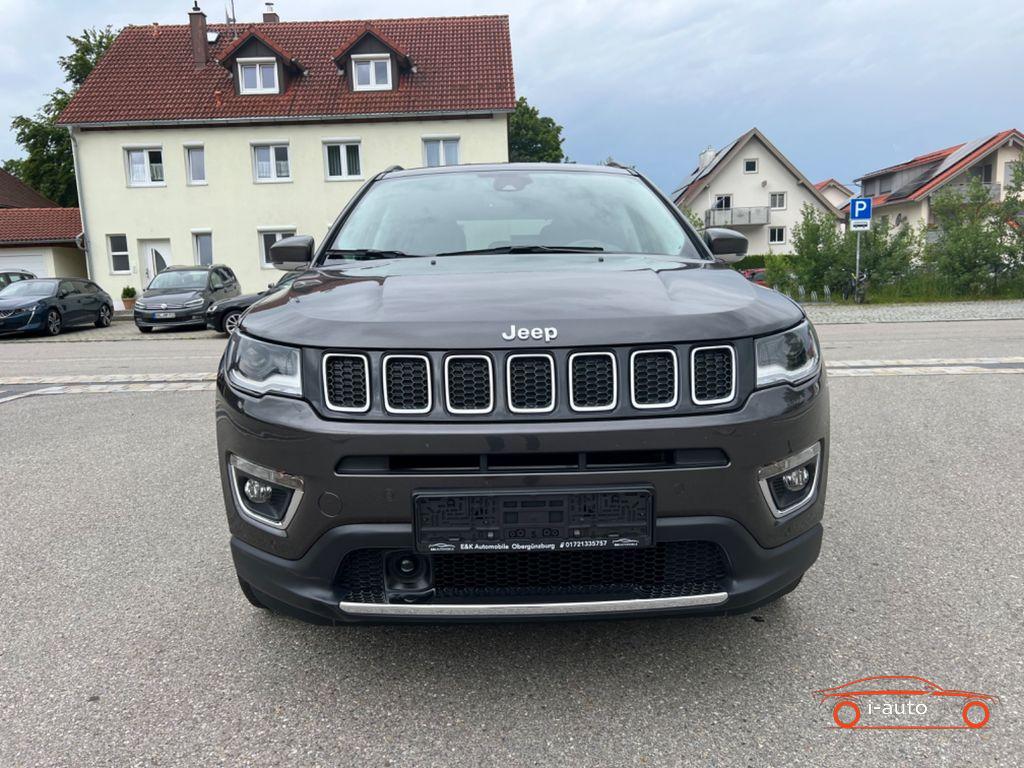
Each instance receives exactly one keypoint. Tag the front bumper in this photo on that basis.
(299, 566)
(182, 317)
(23, 322)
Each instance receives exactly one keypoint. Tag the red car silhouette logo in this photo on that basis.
(905, 702)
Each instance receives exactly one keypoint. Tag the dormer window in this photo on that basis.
(257, 76)
(371, 72)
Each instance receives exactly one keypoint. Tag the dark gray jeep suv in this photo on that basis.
(514, 392)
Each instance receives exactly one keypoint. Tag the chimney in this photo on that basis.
(197, 33)
(705, 157)
(269, 15)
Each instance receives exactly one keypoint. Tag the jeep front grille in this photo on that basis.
(469, 384)
(653, 378)
(531, 383)
(592, 381)
(541, 384)
(407, 384)
(347, 383)
(713, 375)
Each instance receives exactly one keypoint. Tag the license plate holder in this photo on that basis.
(163, 315)
(517, 521)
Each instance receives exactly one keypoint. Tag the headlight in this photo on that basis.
(790, 357)
(33, 308)
(195, 302)
(259, 367)
(140, 304)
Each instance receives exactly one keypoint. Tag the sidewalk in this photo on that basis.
(915, 313)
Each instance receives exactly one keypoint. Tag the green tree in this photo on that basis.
(818, 252)
(970, 252)
(1013, 215)
(48, 165)
(533, 138)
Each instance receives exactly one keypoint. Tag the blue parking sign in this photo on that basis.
(860, 213)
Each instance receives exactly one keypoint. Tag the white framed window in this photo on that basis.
(195, 164)
(723, 202)
(371, 72)
(776, 235)
(440, 150)
(342, 159)
(202, 247)
(120, 259)
(270, 163)
(778, 201)
(269, 236)
(145, 166)
(257, 75)
(750, 165)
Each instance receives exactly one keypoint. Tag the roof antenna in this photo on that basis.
(229, 17)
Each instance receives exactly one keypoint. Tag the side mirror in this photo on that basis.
(292, 252)
(726, 245)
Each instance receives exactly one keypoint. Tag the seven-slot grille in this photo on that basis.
(592, 381)
(407, 384)
(530, 380)
(503, 383)
(469, 384)
(347, 383)
(653, 378)
(713, 375)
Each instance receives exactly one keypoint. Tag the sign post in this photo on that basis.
(860, 219)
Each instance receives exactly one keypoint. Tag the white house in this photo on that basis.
(903, 192)
(750, 186)
(202, 144)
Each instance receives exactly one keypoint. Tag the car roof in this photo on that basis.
(399, 172)
(194, 267)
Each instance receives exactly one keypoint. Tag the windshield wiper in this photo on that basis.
(527, 249)
(369, 254)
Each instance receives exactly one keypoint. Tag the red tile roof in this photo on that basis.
(24, 226)
(14, 193)
(463, 64)
(820, 186)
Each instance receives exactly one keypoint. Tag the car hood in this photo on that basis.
(464, 302)
(17, 302)
(171, 296)
(237, 302)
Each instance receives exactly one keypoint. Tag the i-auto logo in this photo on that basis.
(904, 702)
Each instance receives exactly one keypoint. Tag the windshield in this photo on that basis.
(180, 279)
(509, 211)
(29, 289)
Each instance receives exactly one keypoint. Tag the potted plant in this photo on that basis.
(128, 297)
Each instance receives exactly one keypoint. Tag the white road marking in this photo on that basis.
(107, 378)
(923, 361)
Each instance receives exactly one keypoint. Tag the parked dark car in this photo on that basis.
(515, 392)
(223, 315)
(49, 305)
(179, 296)
(14, 275)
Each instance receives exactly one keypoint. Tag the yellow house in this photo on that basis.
(198, 144)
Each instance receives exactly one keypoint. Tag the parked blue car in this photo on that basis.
(49, 305)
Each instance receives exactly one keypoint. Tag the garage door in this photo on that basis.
(34, 263)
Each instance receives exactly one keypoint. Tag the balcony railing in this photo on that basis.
(753, 216)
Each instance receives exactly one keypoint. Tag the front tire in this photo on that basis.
(104, 316)
(54, 323)
(230, 322)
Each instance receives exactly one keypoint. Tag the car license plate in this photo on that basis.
(163, 315)
(512, 521)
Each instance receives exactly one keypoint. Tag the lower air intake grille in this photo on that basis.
(592, 381)
(469, 383)
(670, 569)
(406, 384)
(713, 375)
(346, 382)
(531, 383)
(654, 379)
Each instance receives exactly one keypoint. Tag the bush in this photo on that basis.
(128, 292)
(751, 261)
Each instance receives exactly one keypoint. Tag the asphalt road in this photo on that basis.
(125, 640)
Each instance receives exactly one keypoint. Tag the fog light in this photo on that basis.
(257, 491)
(796, 479)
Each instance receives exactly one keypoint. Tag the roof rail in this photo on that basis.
(616, 164)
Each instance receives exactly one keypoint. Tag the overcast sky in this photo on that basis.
(841, 87)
